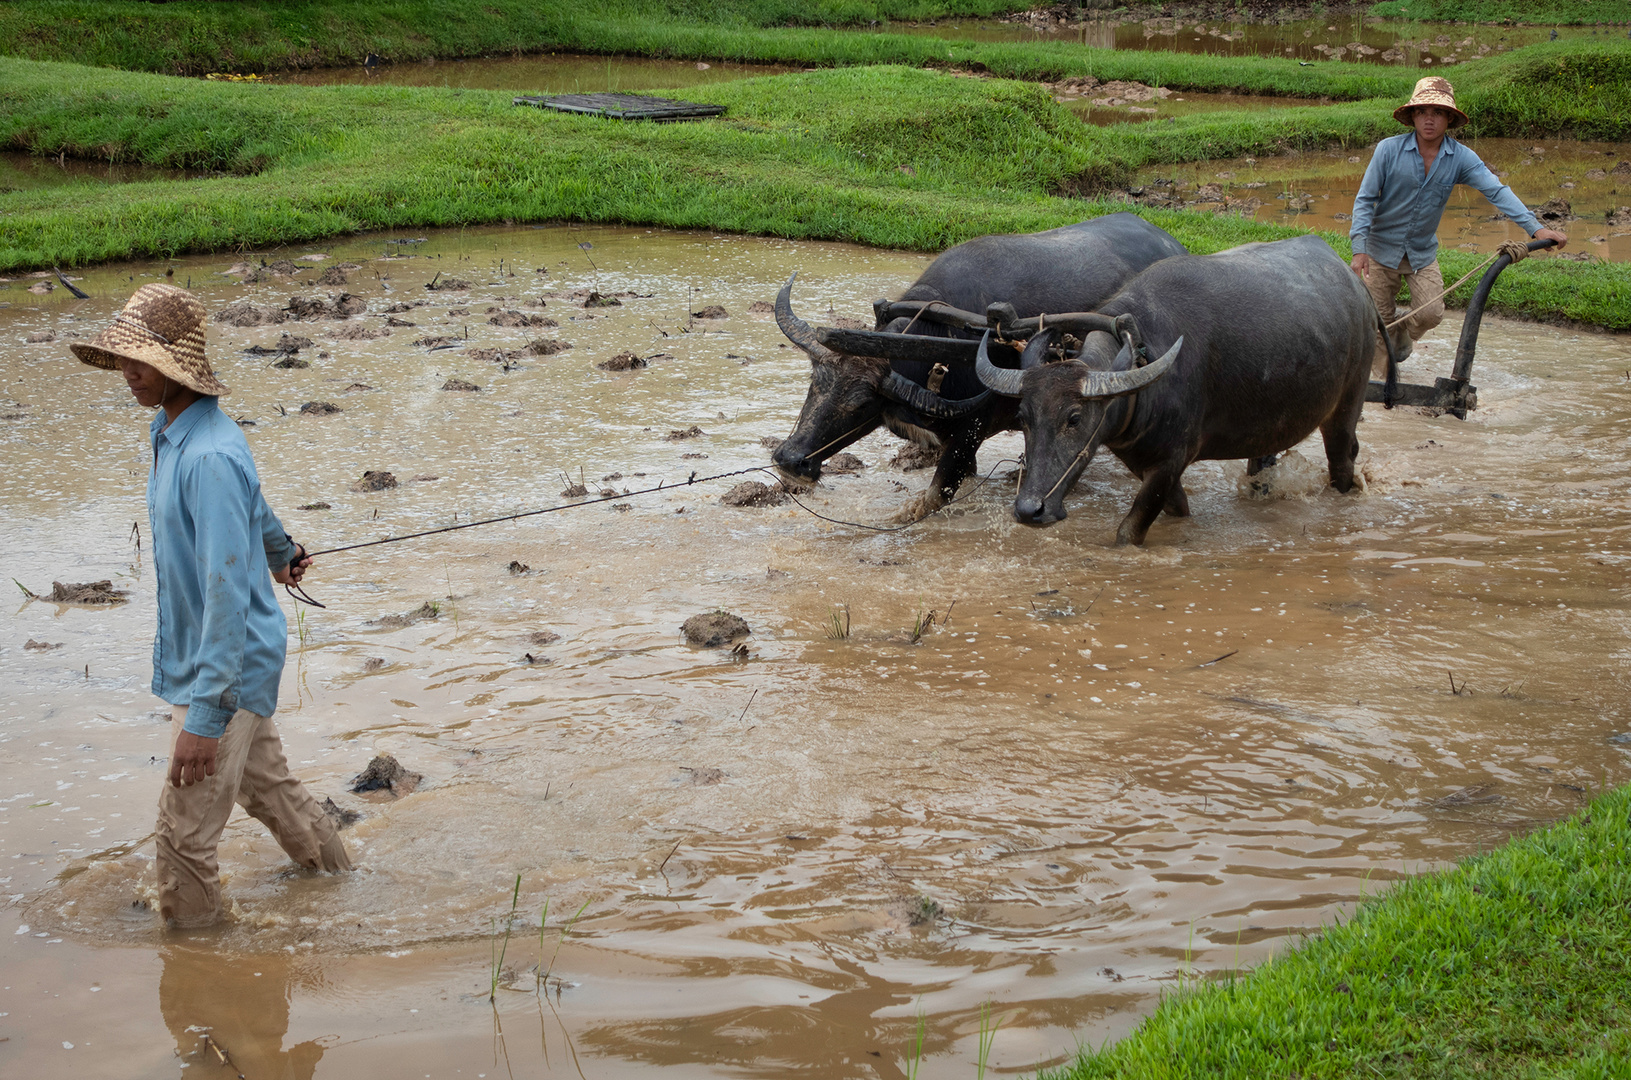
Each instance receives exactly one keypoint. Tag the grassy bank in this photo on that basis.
(1533, 12)
(1514, 964)
(807, 156)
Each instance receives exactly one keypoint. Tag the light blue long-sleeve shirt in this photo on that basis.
(1397, 210)
(221, 635)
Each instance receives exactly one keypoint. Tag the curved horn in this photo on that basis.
(1036, 350)
(1105, 384)
(898, 388)
(1004, 381)
(798, 331)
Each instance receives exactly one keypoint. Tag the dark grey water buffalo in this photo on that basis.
(1067, 269)
(1259, 346)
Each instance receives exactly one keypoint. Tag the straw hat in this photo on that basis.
(1433, 90)
(160, 325)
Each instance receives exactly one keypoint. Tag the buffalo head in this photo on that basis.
(1063, 412)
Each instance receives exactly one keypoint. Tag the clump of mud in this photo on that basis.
(1620, 216)
(543, 637)
(435, 341)
(622, 362)
(692, 432)
(375, 480)
(574, 490)
(714, 629)
(342, 306)
(243, 313)
(443, 284)
(704, 776)
(286, 343)
(385, 773)
(712, 311)
(754, 493)
(88, 592)
(460, 384)
(518, 318)
(332, 276)
(40, 337)
(41, 646)
(517, 568)
(314, 506)
(547, 346)
(771, 443)
(912, 457)
(496, 356)
(392, 320)
(319, 408)
(761, 307)
(843, 463)
(427, 610)
(597, 300)
(343, 817)
(1555, 211)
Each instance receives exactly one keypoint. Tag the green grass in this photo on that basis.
(1534, 12)
(1514, 964)
(808, 155)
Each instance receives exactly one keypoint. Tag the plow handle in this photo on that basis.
(1475, 313)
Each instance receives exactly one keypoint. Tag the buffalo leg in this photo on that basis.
(957, 462)
(1152, 497)
(1177, 503)
(1258, 464)
(1342, 444)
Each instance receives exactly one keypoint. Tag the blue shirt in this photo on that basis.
(1397, 210)
(221, 635)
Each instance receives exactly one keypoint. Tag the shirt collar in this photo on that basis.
(182, 425)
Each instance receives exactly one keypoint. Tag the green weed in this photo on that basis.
(988, 1035)
(838, 623)
(509, 924)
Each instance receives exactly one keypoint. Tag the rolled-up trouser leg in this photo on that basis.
(273, 795)
(1425, 285)
(190, 823)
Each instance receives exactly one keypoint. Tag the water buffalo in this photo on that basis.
(1073, 268)
(1261, 344)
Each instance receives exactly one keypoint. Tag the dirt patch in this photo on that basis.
(754, 493)
(332, 276)
(597, 300)
(1555, 211)
(320, 408)
(460, 385)
(912, 457)
(427, 610)
(357, 387)
(843, 463)
(1620, 217)
(714, 629)
(703, 777)
(444, 284)
(40, 337)
(243, 313)
(314, 506)
(692, 432)
(41, 646)
(386, 774)
(287, 343)
(373, 480)
(517, 568)
(622, 362)
(406, 305)
(547, 346)
(543, 637)
(496, 356)
(392, 320)
(435, 341)
(88, 592)
(342, 306)
(358, 332)
(712, 311)
(761, 307)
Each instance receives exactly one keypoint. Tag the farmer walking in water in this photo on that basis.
(1400, 202)
(218, 653)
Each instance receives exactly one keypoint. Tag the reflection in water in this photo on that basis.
(26, 172)
(1109, 768)
(233, 1011)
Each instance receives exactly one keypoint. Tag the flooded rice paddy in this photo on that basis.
(1099, 773)
(538, 74)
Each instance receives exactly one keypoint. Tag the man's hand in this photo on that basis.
(291, 574)
(1553, 234)
(1361, 265)
(193, 759)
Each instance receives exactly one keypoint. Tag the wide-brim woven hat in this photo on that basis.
(160, 325)
(1433, 90)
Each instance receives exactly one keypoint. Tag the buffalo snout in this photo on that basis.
(1030, 510)
(796, 463)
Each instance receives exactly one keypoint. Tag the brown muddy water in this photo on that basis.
(1106, 772)
(543, 74)
(1587, 184)
(1356, 39)
(25, 172)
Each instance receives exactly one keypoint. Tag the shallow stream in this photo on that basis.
(1099, 773)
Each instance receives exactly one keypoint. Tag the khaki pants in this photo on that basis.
(250, 769)
(1384, 289)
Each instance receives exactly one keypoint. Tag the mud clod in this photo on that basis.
(692, 432)
(356, 332)
(319, 408)
(384, 773)
(1620, 217)
(912, 457)
(517, 567)
(519, 318)
(332, 276)
(342, 817)
(89, 592)
(373, 480)
(547, 346)
(314, 506)
(705, 776)
(460, 384)
(574, 491)
(712, 311)
(754, 493)
(597, 300)
(543, 637)
(40, 337)
(843, 463)
(243, 313)
(41, 646)
(714, 629)
(442, 284)
(427, 610)
(622, 362)
(373, 663)
(761, 307)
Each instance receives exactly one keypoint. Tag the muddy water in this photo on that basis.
(25, 172)
(545, 74)
(1317, 190)
(1356, 39)
(1105, 772)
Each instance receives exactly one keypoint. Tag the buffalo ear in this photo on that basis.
(1124, 359)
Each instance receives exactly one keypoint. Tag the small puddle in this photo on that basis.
(1350, 38)
(1317, 190)
(25, 172)
(1106, 771)
(543, 74)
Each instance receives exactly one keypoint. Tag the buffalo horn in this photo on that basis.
(1106, 384)
(798, 331)
(1004, 381)
(897, 387)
